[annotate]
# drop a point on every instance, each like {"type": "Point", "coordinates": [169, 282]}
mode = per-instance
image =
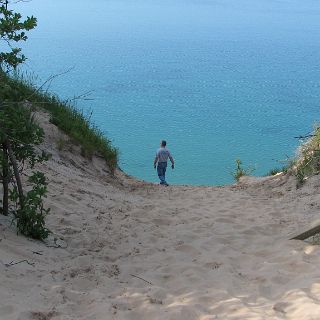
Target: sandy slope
{"type": "Point", "coordinates": [133, 250]}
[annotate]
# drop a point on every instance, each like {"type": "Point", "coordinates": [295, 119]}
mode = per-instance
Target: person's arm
{"type": "Point", "coordinates": [155, 161]}
{"type": "Point", "coordinates": [172, 161]}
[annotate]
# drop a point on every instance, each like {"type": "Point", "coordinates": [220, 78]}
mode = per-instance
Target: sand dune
{"type": "Point", "coordinates": [125, 249]}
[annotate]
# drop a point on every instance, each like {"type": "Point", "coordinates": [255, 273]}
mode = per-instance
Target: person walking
{"type": "Point", "coordinates": [161, 162]}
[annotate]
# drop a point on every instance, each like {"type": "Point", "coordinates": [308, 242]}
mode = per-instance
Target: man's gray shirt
{"type": "Point", "coordinates": [163, 154]}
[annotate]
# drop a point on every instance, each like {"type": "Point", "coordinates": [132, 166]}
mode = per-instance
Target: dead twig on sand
{"type": "Point", "coordinates": [12, 263]}
{"type": "Point", "coordinates": [37, 252]}
{"type": "Point", "coordinates": [132, 275]}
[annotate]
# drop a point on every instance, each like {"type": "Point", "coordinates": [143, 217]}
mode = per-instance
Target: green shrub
{"type": "Point", "coordinates": [30, 218]}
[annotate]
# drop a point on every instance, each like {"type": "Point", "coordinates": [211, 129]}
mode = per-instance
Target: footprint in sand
{"type": "Point", "coordinates": [37, 315]}
{"type": "Point", "coordinates": [224, 220]}
{"type": "Point", "coordinates": [281, 307]}
{"type": "Point", "coordinates": [188, 249]}
{"type": "Point", "coordinates": [155, 301]}
{"type": "Point", "coordinates": [280, 279]}
{"type": "Point", "coordinates": [250, 232]}
{"type": "Point", "coordinates": [148, 207]}
{"type": "Point", "coordinates": [213, 265]}
{"type": "Point", "coordinates": [161, 222]}
{"type": "Point", "coordinates": [6, 310]}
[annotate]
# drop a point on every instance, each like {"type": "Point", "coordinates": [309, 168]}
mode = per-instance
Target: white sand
{"type": "Point", "coordinates": [140, 251]}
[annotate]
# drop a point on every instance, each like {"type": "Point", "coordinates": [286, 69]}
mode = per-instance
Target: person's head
{"type": "Point", "coordinates": [163, 143]}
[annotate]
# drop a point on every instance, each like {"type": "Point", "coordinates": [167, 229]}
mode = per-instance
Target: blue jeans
{"type": "Point", "coordinates": [161, 168]}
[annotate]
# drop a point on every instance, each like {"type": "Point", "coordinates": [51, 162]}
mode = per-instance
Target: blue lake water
{"type": "Point", "coordinates": [219, 80]}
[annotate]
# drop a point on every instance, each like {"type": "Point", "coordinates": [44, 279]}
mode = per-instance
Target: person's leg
{"type": "Point", "coordinates": [161, 173]}
{"type": "Point", "coordinates": [164, 173]}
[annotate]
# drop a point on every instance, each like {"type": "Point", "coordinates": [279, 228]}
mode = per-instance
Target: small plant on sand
{"type": "Point", "coordinates": [30, 217]}
{"type": "Point", "coordinates": [273, 172]}
{"type": "Point", "coordinates": [240, 171]}
{"type": "Point", "coordinates": [61, 144]}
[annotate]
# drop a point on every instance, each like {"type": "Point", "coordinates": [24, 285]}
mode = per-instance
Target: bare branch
{"type": "Point", "coordinates": [15, 2]}
{"type": "Point", "coordinates": [49, 80]}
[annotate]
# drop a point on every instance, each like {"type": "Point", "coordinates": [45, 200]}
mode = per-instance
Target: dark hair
{"type": "Point", "coordinates": [163, 143]}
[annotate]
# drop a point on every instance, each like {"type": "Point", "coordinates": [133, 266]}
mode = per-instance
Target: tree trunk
{"type": "Point", "coordinates": [16, 173]}
{"type": "Point", "coordinates": [5, 181]}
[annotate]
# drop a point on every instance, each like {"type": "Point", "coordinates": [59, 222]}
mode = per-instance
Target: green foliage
{"type": "Point", "coordinates": [20, 134]}
{"type": "Point", "coordinates": [240, 171]}
{"type": "Point", "coordinates": [12, 30]}
{"type": "Point", "coordinates": [308, 161]}
{"type": "Point", "coordinates": [17, 123]}
{"type": "Point", "coordinates": [31, 216]}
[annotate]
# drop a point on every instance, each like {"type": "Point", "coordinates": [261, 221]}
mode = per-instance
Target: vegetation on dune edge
{"type": "Point", "coordinates": [307, 163]}
{"type": "Point", "coordinates": [304, 165]}
{"type": "Point", "coordinates": [65, 116]}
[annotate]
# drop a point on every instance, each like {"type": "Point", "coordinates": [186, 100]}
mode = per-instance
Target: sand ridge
{"type": "Point", "coordinates": [125, 249]}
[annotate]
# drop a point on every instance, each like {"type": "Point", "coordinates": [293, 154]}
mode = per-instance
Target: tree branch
{"type": "Point", "coordinates": [307, 234]}
{"type": "Point", "coordinates": [5, 180]}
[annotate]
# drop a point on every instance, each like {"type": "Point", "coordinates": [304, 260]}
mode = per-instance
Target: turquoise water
{"type": "Point", "coordinates": [219, 80]}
